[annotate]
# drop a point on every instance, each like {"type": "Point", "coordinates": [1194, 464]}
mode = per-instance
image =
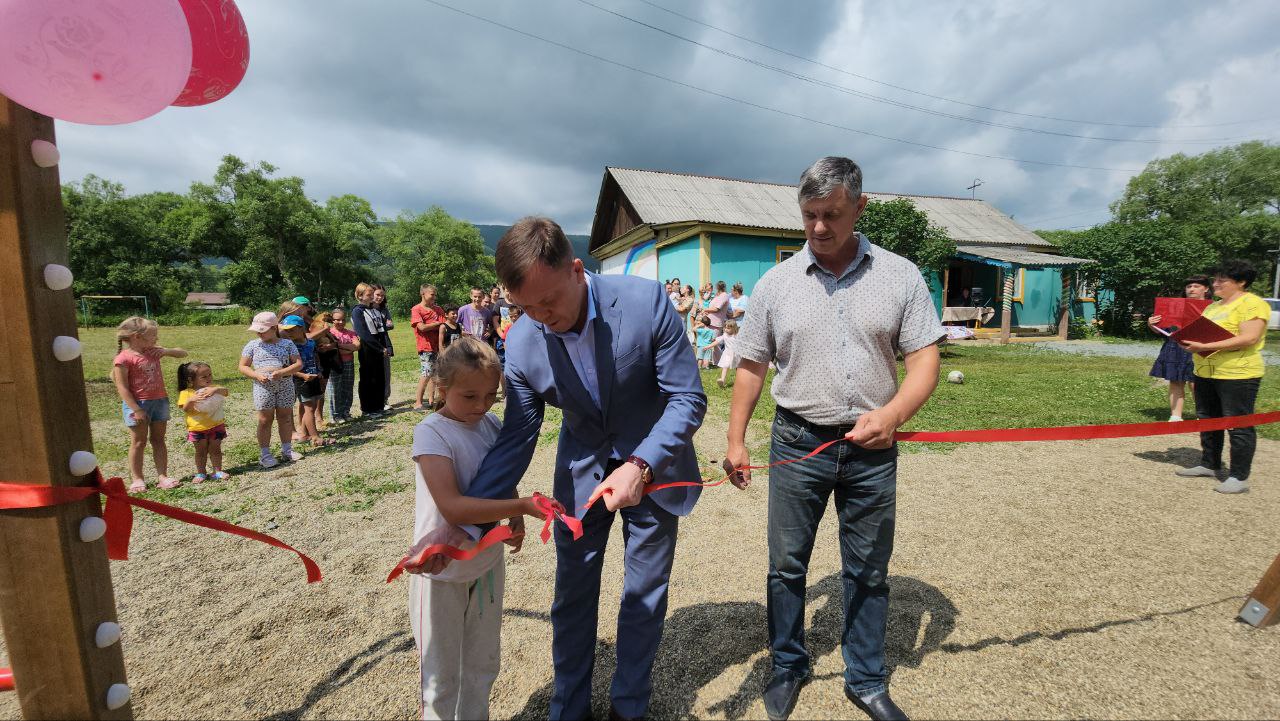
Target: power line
{"type": "Point", "coordinates": [938, 97]}
{"type": "Point", "coordinates": [898, 103]}
{"type": "Point", "coordinates": [769, 108]}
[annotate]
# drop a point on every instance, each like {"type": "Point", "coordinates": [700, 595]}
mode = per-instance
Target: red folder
{"type": "Point", "coordinates": [1179, 311]}
{"type": "Point", "coordinates": [1202, 330]}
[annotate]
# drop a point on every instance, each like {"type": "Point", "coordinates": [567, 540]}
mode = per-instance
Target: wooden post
{"type": "Point", "coordinates": [55, 590]}
{"type": "Point", "coordinates": [1006, 304]}
{"type": "Point", "coordinates": [1262, 607]}
{"type": "Point", "coordinates": [1064, 322]}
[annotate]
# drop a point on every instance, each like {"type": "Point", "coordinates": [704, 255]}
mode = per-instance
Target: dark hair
{"type": "Point", "coordinates": [1241, 271]}
{"type": "Point", "coordinates": [383, 305]}
{"type": "Point", "coordinates": [187, 373]}
{"type": "Point", "coordinates": [451, 308]}
{"type": "Point", "coordinates": [720, 285]}
{"type": "Point", "coordinates": [531, 240]}
{"type": "Point", "coordinates": [1204, 280]}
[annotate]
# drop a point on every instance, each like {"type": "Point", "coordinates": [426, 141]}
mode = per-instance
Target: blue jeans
{"type": "Point", "coordinates": [865, 486]}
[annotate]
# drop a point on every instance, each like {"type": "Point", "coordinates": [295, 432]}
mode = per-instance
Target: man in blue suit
{"type": "Point", "coordinates": [611, 353]}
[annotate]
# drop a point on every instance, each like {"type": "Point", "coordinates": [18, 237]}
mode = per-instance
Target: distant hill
{"type": "Point", "coordinates": [491, 234]}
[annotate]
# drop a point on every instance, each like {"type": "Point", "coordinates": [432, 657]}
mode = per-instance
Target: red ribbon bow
{"type": "Point", "coordinates": [497, 534]}
{"type": "Point", "coordinates": [118, 513]}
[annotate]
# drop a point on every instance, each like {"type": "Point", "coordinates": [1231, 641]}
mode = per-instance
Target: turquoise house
{"type": "Point", "coordinates": [701, 229]}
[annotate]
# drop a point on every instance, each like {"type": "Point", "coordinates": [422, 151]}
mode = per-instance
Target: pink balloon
{"type": "Point", "coordinates": [219, 50]}
{"type": "Point", "coordinates": [100, 62]}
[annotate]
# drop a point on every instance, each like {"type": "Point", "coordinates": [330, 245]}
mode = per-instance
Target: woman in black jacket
{"type": "Point", "coordinates": [367, 322]}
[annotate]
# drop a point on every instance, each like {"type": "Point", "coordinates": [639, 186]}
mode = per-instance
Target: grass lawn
{"type": "Point", "coordinates": [1005, 386]}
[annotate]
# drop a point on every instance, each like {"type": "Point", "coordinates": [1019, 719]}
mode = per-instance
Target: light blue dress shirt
{"type": "Point", "coordinates": [582, 348]}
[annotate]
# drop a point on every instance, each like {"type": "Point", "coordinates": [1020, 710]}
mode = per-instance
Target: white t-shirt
{"type": "Point", "coordinates": [466, 445]}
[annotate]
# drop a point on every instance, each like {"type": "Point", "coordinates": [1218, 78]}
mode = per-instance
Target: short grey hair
{"type": "Point", "coordinates": [824, 176]}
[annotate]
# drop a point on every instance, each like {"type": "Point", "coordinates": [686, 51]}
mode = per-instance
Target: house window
{"type": "Point", "coordinates": [786, 251]}
{"type": "Point", "coordinates": [1019, 284]}
{"type": "Point", "coordinates": [1086, 292]}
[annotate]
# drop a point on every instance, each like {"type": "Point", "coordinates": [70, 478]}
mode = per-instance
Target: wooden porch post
{"type": "Point", "coordinates": [1064, 322]}
{"type": "Point", "coordinates": [55, 589]}
{"type": "Point", "coordinates": [1006, 303]}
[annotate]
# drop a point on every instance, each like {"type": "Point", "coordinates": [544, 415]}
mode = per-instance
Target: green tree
{"type": "Point", "coordinates": [120, 245]}
{"type": "Point", "coordinates": [433, 247]}
{"type": "Point", "coordinates": [899, 226]}
{"type": "Point", "coordinates": [1137, 261]}
{"type": "Point", "coordinates": [280, 241]}
{"type": "Point", "coordinates": [1228, 196]}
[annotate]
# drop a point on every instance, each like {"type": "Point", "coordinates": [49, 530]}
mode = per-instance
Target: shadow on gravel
{"type": "Point", "coordinates": [349, 671]}
{"type": "Point", "coordinates": [701, 642]}
{"type": "Point", "coordinates": [1174, 456]}
{"type": "Point", "coordinates": [1063, 633]}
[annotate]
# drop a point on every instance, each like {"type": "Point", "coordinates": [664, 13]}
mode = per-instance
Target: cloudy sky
{"type": "Point", "coordinates": [410, 104]}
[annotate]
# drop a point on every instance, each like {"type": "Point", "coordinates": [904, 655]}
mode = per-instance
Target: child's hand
{"type": "Point", "coordinates": [516, 524]}
{"type": "Point", "coordinates": [531, 507]}
{"type": "Point", "coordinates": [308, 376]}
{"type": "Point", "coordinates": [205, 392]}
{"type": "Point", "coordinates": [138, 415]}
{"type": "Point", "coordinates": [262, 377]}
{"type": "Point", "coordinates": [1154, 321]}
{"type": "Point", "coordinates": [435, 563]}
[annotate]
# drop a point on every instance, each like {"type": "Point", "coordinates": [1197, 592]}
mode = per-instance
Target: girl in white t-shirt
{"type": "Point", "coordinates": [456, 609]}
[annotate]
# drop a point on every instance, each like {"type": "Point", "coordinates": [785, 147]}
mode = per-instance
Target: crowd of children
{"type": "Point", "coordinates": [298, 354]}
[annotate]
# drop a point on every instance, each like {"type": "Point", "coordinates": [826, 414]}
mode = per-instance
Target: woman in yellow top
{"type": "Point", "coordinates": [1227, 381]}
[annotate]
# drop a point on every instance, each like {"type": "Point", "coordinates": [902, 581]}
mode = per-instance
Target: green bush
{"type": "Point", "coordinates": [186, 316]}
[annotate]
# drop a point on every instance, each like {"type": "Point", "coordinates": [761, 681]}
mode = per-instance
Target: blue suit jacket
{"type": "Point", "coordinates": [650, 391]}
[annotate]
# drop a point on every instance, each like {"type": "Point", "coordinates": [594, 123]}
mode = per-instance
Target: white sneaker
{"type": "Point", "coordinates": [268, 462]}
{"type": "Point", "coordinates": [1175, 419]}
{"type": "Point", "coordinates": [292, 455]}
{"type": "Point", "coordinates": [1233, 485]}
{"type": "Point", "coordinates": [1196, 472]}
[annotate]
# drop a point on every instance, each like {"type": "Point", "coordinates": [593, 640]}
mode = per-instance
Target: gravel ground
{"type": "Point", "coordinates": [1120, 350]}
{"type": "Point", "coordinates": [1075, 579]}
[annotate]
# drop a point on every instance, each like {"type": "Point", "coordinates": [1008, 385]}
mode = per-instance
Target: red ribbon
{"type": "Point", "coordinates": [549, 512]}
{"type": "Point", "coordinates": [1008, 435]}
{"type": "Point", "coordinates": [1061, 433]}
{"type": "Point", "coordinates": [497, 534]}
{"type": "Point", "coordinates": [118, 514]}
{"type": "Point", "coordinates": [6, 679]}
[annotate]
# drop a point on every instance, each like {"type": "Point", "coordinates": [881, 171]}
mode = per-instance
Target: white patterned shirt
{"type": "Point", "coordinates": [835, 341]}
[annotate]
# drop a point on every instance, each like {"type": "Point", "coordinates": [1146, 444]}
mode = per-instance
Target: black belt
{"type": "Point", "coordinates": [816, 429]}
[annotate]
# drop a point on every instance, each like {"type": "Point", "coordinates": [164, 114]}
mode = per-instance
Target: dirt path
{"type": "Point", "coordinates": [1075, 579]}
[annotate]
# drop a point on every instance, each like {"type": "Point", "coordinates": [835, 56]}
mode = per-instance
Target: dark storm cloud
{"type": "Point", "coordinates": [411, 105]}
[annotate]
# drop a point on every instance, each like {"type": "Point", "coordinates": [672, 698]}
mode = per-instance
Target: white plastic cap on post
{"type": "Point", "coordinates": [118, 695]}
{"type": "Point", "coordinates": [108, 633]}
{"type": "Point", "coordinates": [44, 153]}
{"type": "Point", "coordinates": [92, 528]}
{"type": "Point", "coordinates": [82, 463]}
{"type": "Point", "coordinates": [58, 277]}
{"type": "Point", "coordinates": [66, 348]}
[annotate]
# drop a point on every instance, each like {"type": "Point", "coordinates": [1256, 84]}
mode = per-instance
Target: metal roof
{"type": "Point", "coordinates": [1007, 257]}
{"type": "Point", "coordinates": [661, 198]}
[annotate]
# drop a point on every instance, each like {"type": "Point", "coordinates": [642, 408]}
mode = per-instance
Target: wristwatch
{"type": "Point", "coordinates": [646, 473]}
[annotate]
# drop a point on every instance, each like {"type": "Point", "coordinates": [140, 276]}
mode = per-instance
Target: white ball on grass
{"type": "Point", "coordinates": [955, 377]}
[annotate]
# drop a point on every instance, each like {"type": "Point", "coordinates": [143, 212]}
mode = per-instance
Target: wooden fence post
{"type": "Point", "coordinates": [55, 589]}
{"type": "Point", "coordinates": [1262, 607]}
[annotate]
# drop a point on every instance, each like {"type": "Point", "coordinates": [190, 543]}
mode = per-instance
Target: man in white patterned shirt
{"type": "Point", "coordinates": [832, 383]}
